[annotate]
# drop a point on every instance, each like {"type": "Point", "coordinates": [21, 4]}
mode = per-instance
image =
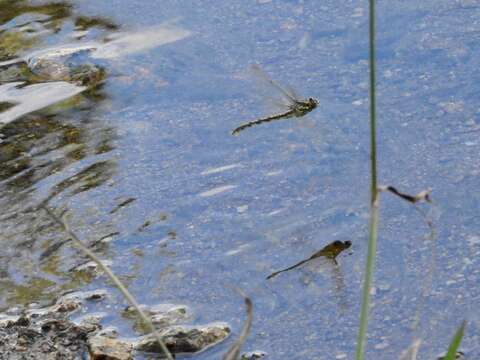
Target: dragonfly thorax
{"type": "Point", "coordinates": [301, 107]}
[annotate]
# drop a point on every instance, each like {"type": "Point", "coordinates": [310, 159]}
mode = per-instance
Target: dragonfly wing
{"type": "Point", "coordinates": [292, 92]}
{"type": "Point", "coordinates": [260, 74]}
{"type": "Point", "coordinates": [277, 104]}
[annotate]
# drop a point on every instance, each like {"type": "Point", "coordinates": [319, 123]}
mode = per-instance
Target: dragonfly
{"type": "Point", "coordinates": [295, 107]}
{"type": "Point", "coordinates": [330, 251]}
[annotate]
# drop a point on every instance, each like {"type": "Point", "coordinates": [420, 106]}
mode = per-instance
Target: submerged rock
{"type": "Point", "coordinates": [62, 63]}
{"type": "Point", "coordinates": [66, 304]}
{"type": "Point", "coordinates": [162, 315]}
{"type": "Point", "coordinates": [54, 70]}
{"type": "Point", "coordinates": [183, 339]}
{"type": "Point", "coordinates": [91, 268]}
{"type": "Point", "coordinates": [109, 331]}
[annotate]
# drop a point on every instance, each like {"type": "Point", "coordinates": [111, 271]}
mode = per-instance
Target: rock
{"type": "Point", "coordinates": [45, 338]}
{"type": "Point", "coordinates": [50, 69]}
{"type": "Point", "coordinates": [91, 268]}
{"type": "Point", "coordinates": [68, 303]}
{"type": "Point", "coordinates": [93, 295]}
{"type": "Point", "coordinates": [91, 321]}
{"type": "Point", "coordinates": [46, 333]}
{"type": "Point", "coordinates": [183, 339]}
{"type": "Point", "coordinates": [162, 315]}
{"type": "Point", "coordinates": [110, 332]}
{"type": "Point", "coordinates": [253, 355]}
{"type": "Point", "coordinates": [8, 320]}
{"type": "Point", "coordinates": [63, 305]}
{"type": "Point", "coordinates": [105, 348]}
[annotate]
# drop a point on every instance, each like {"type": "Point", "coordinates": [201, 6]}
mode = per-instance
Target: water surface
{"type": "Point", "coordinates": [209, 210]}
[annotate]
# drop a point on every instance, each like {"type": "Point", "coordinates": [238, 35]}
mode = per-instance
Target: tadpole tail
{"type": "Point", "coordinates": [287, 269]}
{"type": "Point", "coordinates": [242, 127]}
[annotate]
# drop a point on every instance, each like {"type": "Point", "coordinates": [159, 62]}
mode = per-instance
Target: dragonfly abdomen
{"type": "Point", "coordinates": [263, 120]}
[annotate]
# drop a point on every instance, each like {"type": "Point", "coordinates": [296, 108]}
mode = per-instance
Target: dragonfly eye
{"type": "Point", "coordinates": [313, 101]}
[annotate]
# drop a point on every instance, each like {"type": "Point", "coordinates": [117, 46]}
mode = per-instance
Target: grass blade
{"type": "Point", "coordinates": [374, 211]}
{"type": "Point", "coordinates": [367, 285]}
{"type": "Point", "coordinates": [455, 344]}
{"type": "Point", "coordinates": [234, 351]}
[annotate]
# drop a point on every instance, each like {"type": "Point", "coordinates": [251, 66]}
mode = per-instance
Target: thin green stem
{"type": "Point", "coordinates": [373, 105]}
{"type": "Point", "coordinates": [455, 344]}
{"type": "Point", "coordinates": [374, 210]}
{"type": "Point", "coordinates": [367, 285]}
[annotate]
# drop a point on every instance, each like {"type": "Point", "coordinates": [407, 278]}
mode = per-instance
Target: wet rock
{"type": "Point", "coordinates": [166, 314]}
{"type": "Point", "coordinates": [50, 69]}
{"type": "Point", "coordinates": [93, 295]}
{"type": "Point", "coordinates": [47, 333]}
{"type": "Point", "coordinates": [110, 332]}
{"type": "Point", "coordinates": [87, 75]}
{"type": "Point", "coordinates": [92, 321]}
{"type": "Point", "coordinates": [63, 306]}
{"type": "Point", "coordinates": [8, 320]}
{"type": "Point", "coordinates": [162, 315]}
{"type": "Point", "coordinates": [91, 268]}
{"type": "Point", "coordinates": [105, 348]}
{"type": "Point", "coordinates": [67, 304]}
{"type": "Point", "coordinates": [182, 339]}
{"type": "Point", "coordinates": [253, 355]}
{"type": "Point", "coordinates": [62, 63]}
{"type": "Point", "coordinates": [53, 338]}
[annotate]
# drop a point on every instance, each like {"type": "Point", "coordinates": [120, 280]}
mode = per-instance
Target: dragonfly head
{"type": "Point", "coordinates": [313, 102]}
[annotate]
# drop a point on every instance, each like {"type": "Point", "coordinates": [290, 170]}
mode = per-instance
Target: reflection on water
{"type": "Point", "coordinates": [39, 140]}
{"type": "Point", "coordinates": [54, 141]}
{"type": "Point", "coordinates": [32, 149]}
{"type": "Point", "coordinates": [33, 97]}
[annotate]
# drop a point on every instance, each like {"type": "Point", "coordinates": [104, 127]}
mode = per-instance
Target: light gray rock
{"type": "Point", "coordinates": [162, 315]}
{"type": "Point", "coordinates": [105, 348]}
{"type": "Point", "coordinates": [183, 339]}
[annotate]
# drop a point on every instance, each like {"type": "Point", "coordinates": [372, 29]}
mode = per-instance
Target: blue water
{"type": "Point", "coordinates": [230, 210]}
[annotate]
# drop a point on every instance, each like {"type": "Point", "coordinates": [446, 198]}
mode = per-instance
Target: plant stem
{"type": "Point", "coordinates": [367, 285]}
{"type": "Point", "coordinates": [374, 204]}
{"type": "Point", "coordinates": [373, 105]}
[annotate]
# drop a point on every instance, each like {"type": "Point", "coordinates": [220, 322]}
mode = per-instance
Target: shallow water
{"type": "Point", "coordinates": [206, 210]}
